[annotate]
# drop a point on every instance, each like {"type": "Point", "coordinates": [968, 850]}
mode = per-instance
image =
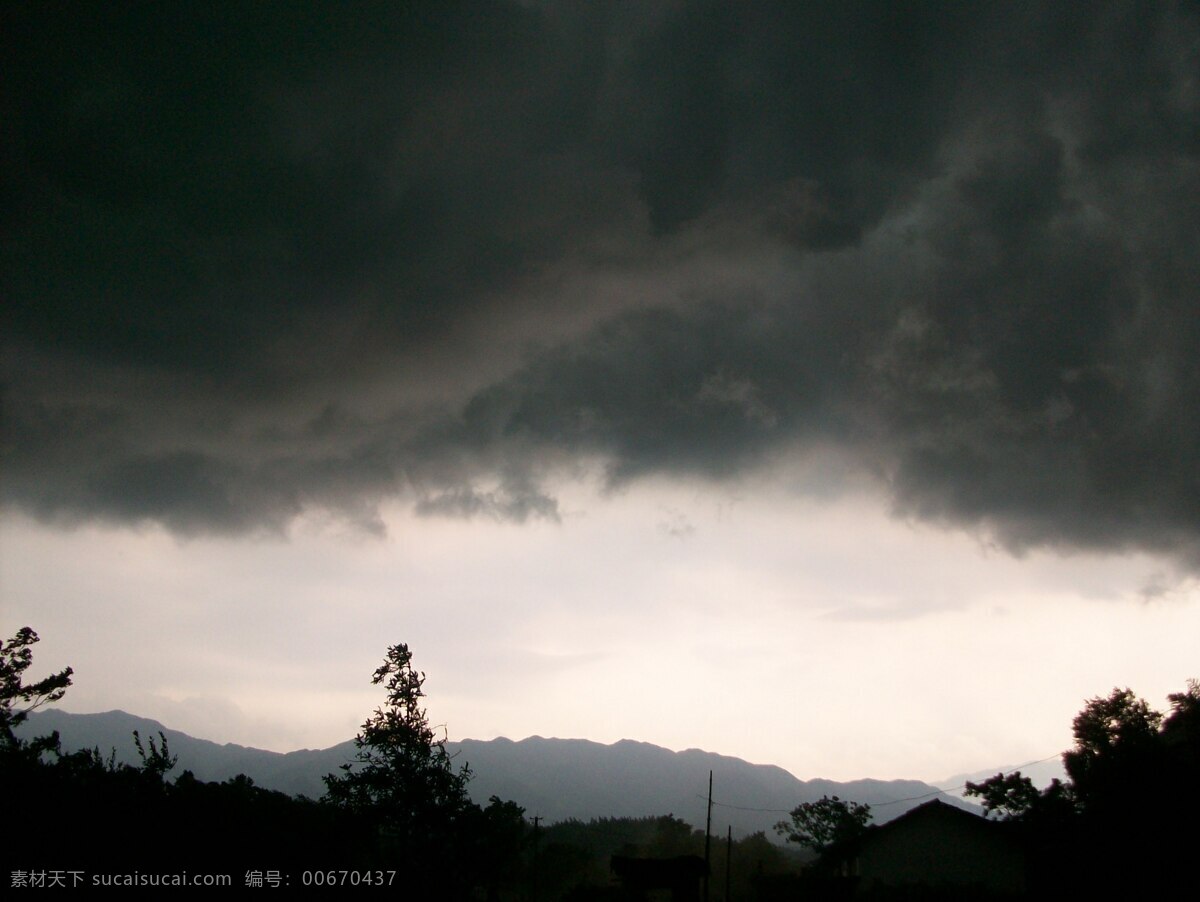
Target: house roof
{"type": "Point", "coordinates": [933, 810]}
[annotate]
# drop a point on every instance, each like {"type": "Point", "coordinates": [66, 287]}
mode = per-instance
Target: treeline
{"type": "Point", "coordinates": [1124, 824]}
{"type": "Point", "coordinates": [84, 812]}
{"type": "Point", "coordinates": [573, 857]}
{"type": "Point", "coordinates": [399, 814]}
{"type": "Point", "coordinates": [1127, 820]}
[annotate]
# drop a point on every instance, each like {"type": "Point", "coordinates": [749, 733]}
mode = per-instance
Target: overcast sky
{"type": "Point", "coordinates": [813, 383]}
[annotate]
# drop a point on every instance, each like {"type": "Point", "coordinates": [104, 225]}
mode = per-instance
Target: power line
{"type": "Point", "coordinates": [1005, 773]}
{"type": "Point", "coordinates": [743, 808]}
{"type": "Point", "coordinates": [936, 792]}
{"type": "Point", "coordinates": [625, 832]}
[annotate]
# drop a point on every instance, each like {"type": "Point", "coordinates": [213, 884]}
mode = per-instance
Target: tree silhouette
{"type": "Point", "coordinates": [1013, 795]}
{"type": "Point", "coordinates": [1181, 729]}
{"type": "Point", "coordinates": [1116, 739]}
{"type": "Point", "coordinates": [403, 781]}
{"type": "Point", "coordinates": [821, 824]}
{"type": "Point", "coordinates": [16, 655]}
{"type": "Point", "coordinates": [157, 762]}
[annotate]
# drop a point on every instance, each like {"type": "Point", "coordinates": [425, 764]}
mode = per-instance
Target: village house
{"type": "Point", "coordinates": [936, 845]}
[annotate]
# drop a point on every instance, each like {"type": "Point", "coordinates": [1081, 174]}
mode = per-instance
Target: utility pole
{"type": "Point", "coordinates": [728, 859]}
{"type": "Point", "coordinates": [708, 839]}
{"type": "Point", "coordinates": [534, 875]}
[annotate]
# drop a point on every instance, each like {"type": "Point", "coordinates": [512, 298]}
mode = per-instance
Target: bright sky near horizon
{"type": "Point", "coordinates": [811, 384]}
{"type": "Point", "coordinates": [820, 636]}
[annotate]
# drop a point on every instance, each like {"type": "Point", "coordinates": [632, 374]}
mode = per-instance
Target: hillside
{"type": "Point", "coordinates": [554, 778]}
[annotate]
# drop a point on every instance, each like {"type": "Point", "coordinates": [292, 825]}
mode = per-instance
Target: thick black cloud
{"type": "Point", "coordinates": [262, 261]}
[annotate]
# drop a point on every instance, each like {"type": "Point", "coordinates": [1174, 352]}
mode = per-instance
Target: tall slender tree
{"type": "Point", "coordinates": [403, 781]}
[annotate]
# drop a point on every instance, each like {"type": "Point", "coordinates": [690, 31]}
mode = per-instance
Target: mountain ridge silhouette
{"type": "Point", "coordinates": [557, 779]}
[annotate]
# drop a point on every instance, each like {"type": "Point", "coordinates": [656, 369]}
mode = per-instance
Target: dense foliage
{"type": "Point", "coordinates": [1130, 800]}
{"type": "Point", "coordinates": [819, 825]}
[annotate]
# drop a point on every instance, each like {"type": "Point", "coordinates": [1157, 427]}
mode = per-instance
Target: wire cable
{"type": "Point", "coordinates": [937, 791]}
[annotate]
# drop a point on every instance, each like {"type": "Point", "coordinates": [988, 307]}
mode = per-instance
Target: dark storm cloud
{"type": "Point", "coordinates": [268, 260]}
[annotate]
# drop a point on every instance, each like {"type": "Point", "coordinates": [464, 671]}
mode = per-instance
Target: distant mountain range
{"type": "Point", "coordinates": [557, 779]}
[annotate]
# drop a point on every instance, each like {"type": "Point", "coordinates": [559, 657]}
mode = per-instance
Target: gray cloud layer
{"type": "Point", "coordinates": [257, 261]}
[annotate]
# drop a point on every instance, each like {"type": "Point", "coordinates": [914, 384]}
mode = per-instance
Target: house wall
{"type": "Point", "coordinates": [942, 851]}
